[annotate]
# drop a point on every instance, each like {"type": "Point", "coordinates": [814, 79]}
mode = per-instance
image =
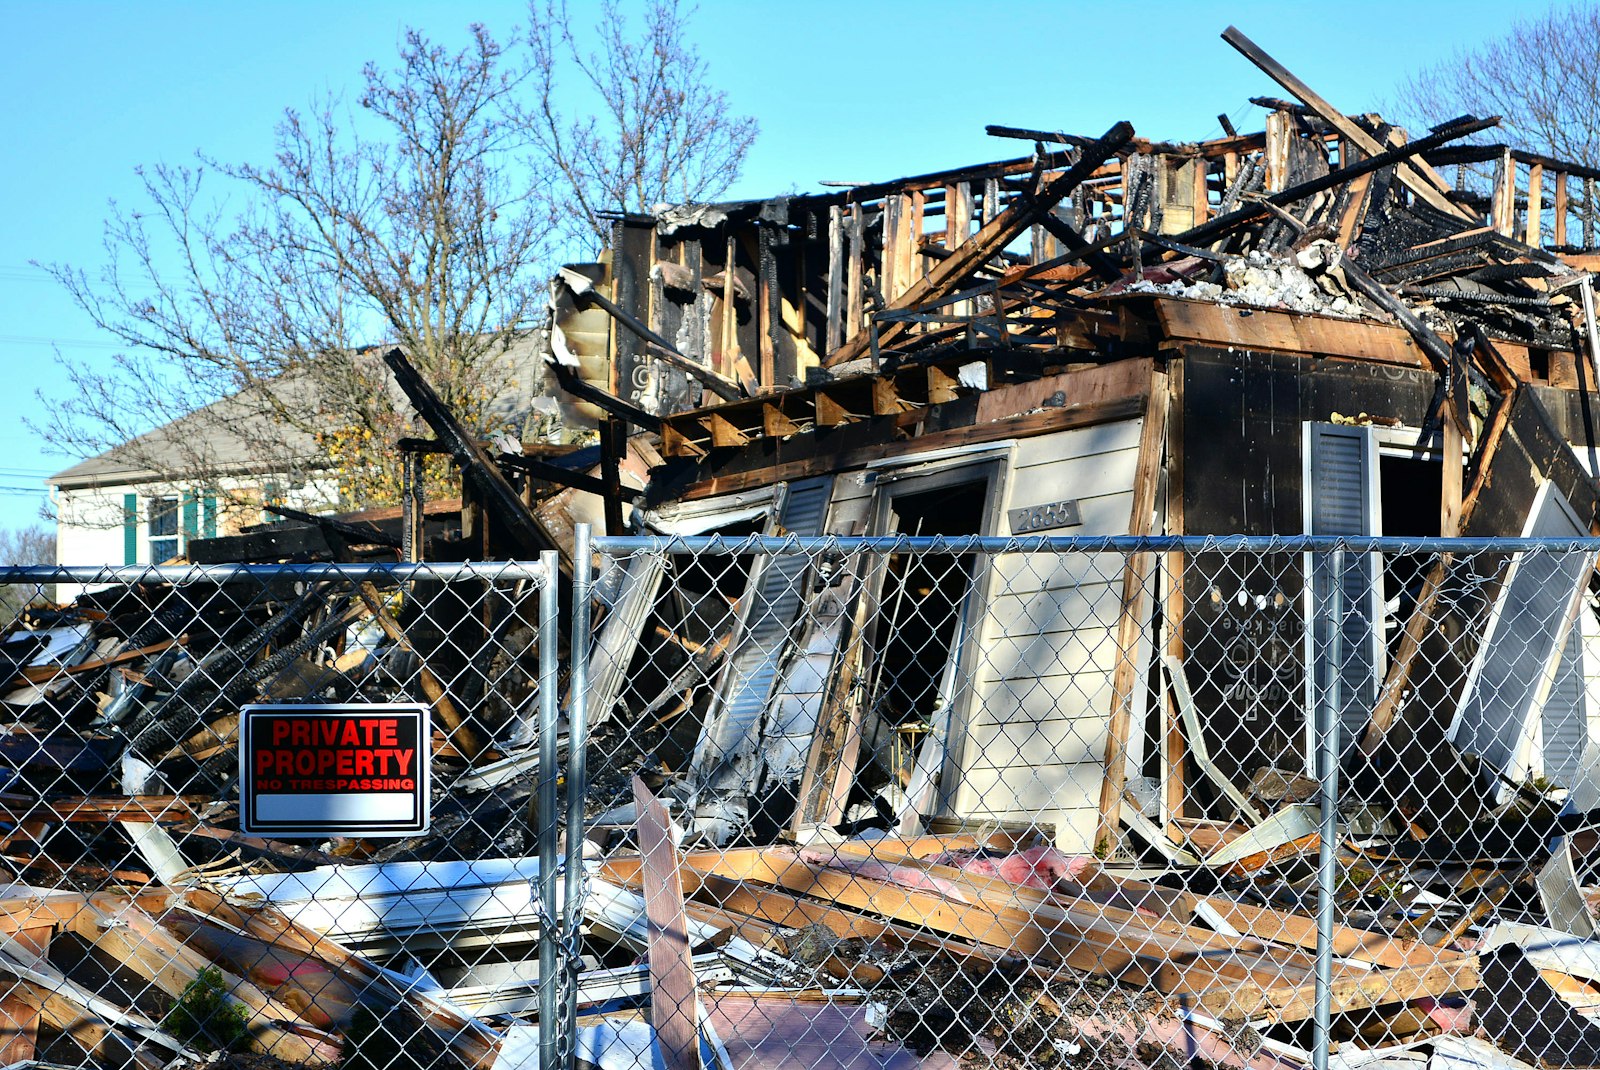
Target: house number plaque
{"type": "Point", "coordinates": [1031, 518]}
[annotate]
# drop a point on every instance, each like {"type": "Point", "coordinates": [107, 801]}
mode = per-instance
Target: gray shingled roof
{"type": "Point", "coordinates": [230, 433]}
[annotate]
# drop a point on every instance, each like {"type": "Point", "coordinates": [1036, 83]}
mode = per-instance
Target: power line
{"type": "Point", "coordinates": [65, 343]}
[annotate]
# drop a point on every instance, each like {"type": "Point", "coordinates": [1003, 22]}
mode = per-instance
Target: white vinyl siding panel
{"type": "Point", "coordinates": [1042, 687]}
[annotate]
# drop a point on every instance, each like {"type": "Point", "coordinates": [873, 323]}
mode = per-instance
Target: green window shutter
{"type": "Point", "coordinates": [191, 515]}
{"type": "Point", "coordinates": [208, 516]}
{"type": "Point", "coordinates": [130, 529]}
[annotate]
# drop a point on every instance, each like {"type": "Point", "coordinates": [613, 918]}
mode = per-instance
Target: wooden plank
{"type": "Point", "coordinates": [1416, 175]}
{"type": "Point", "coordinates": [723, 433]}
{"type": "Point", "coordinates": [1293, 1003]}
{"type": "Point", "coordinates": [911, 259]}
{"type": "Point", "coordinates": [19, 1026]}
{"type": "Point", "coordinates": [774, 424]}
{"type": "Point", "coordinates": [834, 332]}
{"type": "Point", "coordinates": [889, 260]}
{"type": "Point", "coordinates": [886, 400]}
{"type": "Point", "coordinates": [1533, 227]}
{"type": "Point", "coordinates": [1176, 748]}
{"type": "Point", "coordinates": [1559, 236]}
{"type": "Point", "coordinates": [1023, 426]}
{"type": "Point", "coordinates": [1280, 131]}
{"type": "Point", "coordinates": [19, 1016]}
{"type": "Point", "coordinates": [856, 233]}
{"type": "Point", "coordinates": [1264, 329]}
{"type": "Point", "coordinates": [674, 443]}
{"type": "Point", "coordinates": [1450, 480]}
{"type": "Point", "coordinates": [1379, 949]}
{"type": "Point", "coordinates": [674, 1010]}
{"type": "Point", "coordinates": [1503, 206]}
{"type": "Point", "coordinates": [1119, 379]}
{"type": "Point", "coordinates": [1131, 622]}
{"type": "Point", "coordinates": [830, 412]}
{"type": "Point", "coordinates": [1136, 953]}
{"type": "Point", "coordinates": [728, 351]}
{"type": "Point", "coordinates": [768, 314]}
{"type": "Point", "coordinates": [39, 674]}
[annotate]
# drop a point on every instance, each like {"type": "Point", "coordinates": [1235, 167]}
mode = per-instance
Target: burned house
{"type": "Point", "coordinates": [1301, 331]}
{"type": "Point", "coordinates": [869, 760]}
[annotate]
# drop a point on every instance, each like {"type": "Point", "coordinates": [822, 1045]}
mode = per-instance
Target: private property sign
{"type": "Point", "coordinates": [340, 770]}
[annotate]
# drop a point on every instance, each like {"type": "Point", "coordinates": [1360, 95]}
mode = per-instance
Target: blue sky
{"type": "Point", "coordinates": [849, 91]}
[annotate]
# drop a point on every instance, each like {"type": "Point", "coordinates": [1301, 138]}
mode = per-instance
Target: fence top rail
{"type": "Point", "coordinates": [794, 544]}
{"type": "Point", "coordinates": [535, 571]}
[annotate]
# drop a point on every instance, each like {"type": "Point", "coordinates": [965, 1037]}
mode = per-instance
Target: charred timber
{"type": "Point", "coordinates": [524, 528]}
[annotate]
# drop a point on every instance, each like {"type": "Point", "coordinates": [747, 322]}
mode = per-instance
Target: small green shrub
{"type": "Point", "coordinates": [205, 1018]}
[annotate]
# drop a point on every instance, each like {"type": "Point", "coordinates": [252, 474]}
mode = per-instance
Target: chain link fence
{"type": "Point", "coordinates": [1057, 802]}
{"type": "Point", "coordinates": [749, 802]}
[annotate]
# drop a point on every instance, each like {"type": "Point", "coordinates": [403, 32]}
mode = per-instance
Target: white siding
{"type": "Point", "coordinates": [1041, 693]}
{"type": "Point", "coordinates": [90, 521]}
{"type": "Point", "coordinates": [89, 526]}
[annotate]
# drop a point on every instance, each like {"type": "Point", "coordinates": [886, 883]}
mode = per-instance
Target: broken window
{"type": "Point", "coordinates": [924, 612]}
{"type": "Point", "coordinates": [1366, 481]}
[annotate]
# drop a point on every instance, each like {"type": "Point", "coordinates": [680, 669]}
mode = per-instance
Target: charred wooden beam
{"type": "Point", "coordinates": [1213, 229]}
{"type": "Point", "coordinates": [357, 533]}
{"type": "Point", "coordinates": [1418, 178]}
{"type": "Point", "coordinates": [1100, 263]}
{"type": "Point", "coordinates": [573, 384]}
{"type": "Point", "coordinates": [548, 472]}
{"type": "Point", "coordinates": [526, 529]}
{"type": "Point", "coordinates": [1023, 211]}
{"type": "Point", "coordinates": [1434, 347]}
{"type": "Point", "coordinates": [613, 448]}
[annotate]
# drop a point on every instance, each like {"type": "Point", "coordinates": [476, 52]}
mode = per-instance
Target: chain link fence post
{"type": "Point", "coordinates": [1327, 734]}
{"type": "Point", "coordinates": [577, 783]}
{"type": "Point", "coordinates": [549, 823]}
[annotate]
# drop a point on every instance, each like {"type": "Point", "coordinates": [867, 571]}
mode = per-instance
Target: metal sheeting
{"type": "Point", "coordinates": [1518, 661]}
{"type": "Point", "coordinates": [724, 757]}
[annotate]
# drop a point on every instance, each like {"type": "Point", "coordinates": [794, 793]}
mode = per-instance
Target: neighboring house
{"type": "Point", "coordinates": [208, 473]}
{"type": "Point", "coordinates": [202, 475]}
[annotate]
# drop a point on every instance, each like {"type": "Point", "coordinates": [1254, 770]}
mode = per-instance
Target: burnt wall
{"type": "Point", "coordinates": [1244, 625]}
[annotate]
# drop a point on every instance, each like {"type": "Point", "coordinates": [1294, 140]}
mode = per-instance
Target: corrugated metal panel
{"type": "Point", "coordinates": [619, 635]}
{"type": "Point", "coordinates": [724, 757]}
{"type": "Point", "coordinates": [1342, 498]}
{"type": "Point", "coordinates": [1564, 721]}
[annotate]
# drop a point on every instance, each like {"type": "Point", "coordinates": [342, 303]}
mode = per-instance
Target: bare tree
{"type": "Point", "coordinates": [416, 220]}
{"type": "Point", "coordinates": [32, 545]}
{"type": "Point", "coordinates": [253, 296]}
{"type": "Point", "coordinates": [658, 131]}
{"type": "Point", "coordinates": [1542, 76]}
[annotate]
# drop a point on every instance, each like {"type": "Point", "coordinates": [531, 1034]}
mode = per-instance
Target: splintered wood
{"type": "Point", "coordinates": [886, 892]}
